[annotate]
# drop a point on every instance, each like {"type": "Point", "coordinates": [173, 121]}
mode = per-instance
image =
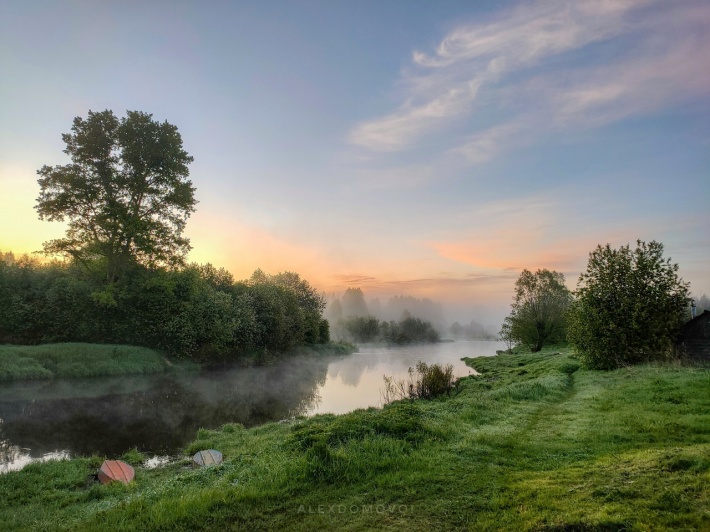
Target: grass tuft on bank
{"type": "Point", "coordinates": [535, 442]}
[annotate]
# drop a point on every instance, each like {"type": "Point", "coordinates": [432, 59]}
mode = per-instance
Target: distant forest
{"type": "Point", "coordinates": [401, 319]}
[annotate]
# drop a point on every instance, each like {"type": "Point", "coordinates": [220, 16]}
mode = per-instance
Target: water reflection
{"type": "Point", "coordinates": [356, 381]}
{"type": "Point", "coordinates": [157, 461]}
{"type": "Point", "coordinates": [14, 457]}
{"type": "Point", "coordinates": [161, 414]}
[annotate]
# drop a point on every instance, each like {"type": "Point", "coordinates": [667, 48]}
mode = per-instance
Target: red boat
{"type": "Point", "coordinates": [116, 470]}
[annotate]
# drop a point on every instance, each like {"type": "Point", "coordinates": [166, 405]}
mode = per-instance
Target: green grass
{"type": "Point", "coordinates": [47, 361]}
{"type": "Point", "coordinates": [534, 443]}
{"type": "Point", "coordinates": [78, 360]}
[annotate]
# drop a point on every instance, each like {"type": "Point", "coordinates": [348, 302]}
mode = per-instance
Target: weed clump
{"type": "Point", "coordinates": [424, 382]}
{"type": "Point", "coordinates": [133, 457]}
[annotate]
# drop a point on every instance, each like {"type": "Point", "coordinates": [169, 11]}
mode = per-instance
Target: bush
{"type": "Point", "coordinates": [631, 305]}
{"type": "Point", "coordinates": [195, 311]}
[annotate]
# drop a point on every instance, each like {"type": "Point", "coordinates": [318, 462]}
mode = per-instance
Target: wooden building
{"type": "Point", "coordinates": [696, 337]}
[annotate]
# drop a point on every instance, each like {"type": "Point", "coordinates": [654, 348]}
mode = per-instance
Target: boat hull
{"type": "Point", "coordinates": [208, 457]}
{"type": "Point", "coordinates": [116, 471]}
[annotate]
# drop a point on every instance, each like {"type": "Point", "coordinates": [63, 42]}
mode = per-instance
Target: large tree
{"type": "Point", "coordinates": [353, 302]}
{"type": "Point", "coordinates": [538, 313]}
{"type": "Point", "coordinates": [631, 304]}
{"type": "Point", "coordinates": [125, 196]}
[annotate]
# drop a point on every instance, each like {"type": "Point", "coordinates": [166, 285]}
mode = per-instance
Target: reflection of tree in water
{"type": "Point", "coordinates": [162, 417]}
{"type": "Point", "coordinates": [350, 370]}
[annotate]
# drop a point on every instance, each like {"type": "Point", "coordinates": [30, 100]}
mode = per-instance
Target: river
{"type": "Point", "coordinates": [160, 414]}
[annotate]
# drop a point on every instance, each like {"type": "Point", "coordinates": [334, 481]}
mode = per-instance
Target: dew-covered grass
{"type": "Point", "coordinates": [533, 443]}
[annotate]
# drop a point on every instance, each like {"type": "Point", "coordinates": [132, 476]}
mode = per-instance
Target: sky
{"type": "Point", "coordinates": [432, 149]}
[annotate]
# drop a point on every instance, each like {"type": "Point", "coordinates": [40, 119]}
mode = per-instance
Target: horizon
{"type": "Point", "coordinates": [430, 151]}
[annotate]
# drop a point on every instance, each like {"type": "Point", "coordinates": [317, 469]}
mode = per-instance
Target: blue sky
{"type": "Point", "coordinates": [424, 148]}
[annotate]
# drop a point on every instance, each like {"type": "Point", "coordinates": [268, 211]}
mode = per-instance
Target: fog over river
{"type": "Point", "coordinates": [160, 414]}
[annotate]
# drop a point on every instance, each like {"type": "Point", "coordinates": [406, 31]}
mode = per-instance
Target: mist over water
{"type": "Point", "coordinates": [161, 414]}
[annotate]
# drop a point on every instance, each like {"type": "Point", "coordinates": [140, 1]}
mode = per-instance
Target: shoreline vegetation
{"type": "Point", "coordinates": [369, 329]}
{"type": "Point", "coordinates": [85, 360]}
{"type": "Point", "coordinates": [534, 442]}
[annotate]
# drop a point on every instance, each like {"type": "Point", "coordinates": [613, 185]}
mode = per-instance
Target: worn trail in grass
{"type": "Point", "coordinates": [534, 442]}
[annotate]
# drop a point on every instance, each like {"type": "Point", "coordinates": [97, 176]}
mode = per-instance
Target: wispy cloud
{"type": "Point", "coordinates": [530, 33]}
{"type": "Point", "coordinates": [451, 286]}
{"type": "Point", "coordinates": [556, 230]}
{"type": "Point", "coordinates": [514, 234]}
{"type": "Point", "coordinates": [545, 67]}
{"type": "Point", "coordinates": [354, 279]}
{"type": "Point", "coordinates": [488, 143]}
{"type": "Point", "coordinates": [396, 130]}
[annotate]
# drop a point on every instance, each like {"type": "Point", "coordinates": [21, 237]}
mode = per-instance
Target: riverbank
{"type": "Point", "coordinates": [47, 361]}
{"type": "Point", "coordinates": [534, 442]}
{"type": "Point", "coordinates": [77, 360]}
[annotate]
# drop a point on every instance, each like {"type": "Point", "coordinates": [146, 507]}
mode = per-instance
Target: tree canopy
{"type": "Point", "coordinates": [197, 311]}
{"type": "Point", "coordinates": [538, 313]}
{"type": "Point", "coordinates": [631, 304]}
{"type": "Point", "coordinates": [126, 199]}
{"type": "Point", "coordinates": [125, 195]}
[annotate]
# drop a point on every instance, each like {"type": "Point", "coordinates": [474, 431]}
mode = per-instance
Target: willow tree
{"type": "Point", "coordinates": [125, 195]}
{"type": "Point", "coordinates": [538, 313]}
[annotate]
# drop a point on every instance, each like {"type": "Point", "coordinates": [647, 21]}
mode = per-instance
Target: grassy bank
{"type": "Point", "coordinates": [77, 360]}
{"type": "Point", "coordinates": [534, 442]}
{"type": "Point", "coordinates": [49, 361]}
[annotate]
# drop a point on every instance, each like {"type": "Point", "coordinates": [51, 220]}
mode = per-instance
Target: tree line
{"type": "Point", "coordinates": [369, 329]}
{"type": "Point", "coordinates": [352, 303]}
{"type": "Point", "coordinates": [629, 307]}
{"type": "Point", "coordinates": [126, 198]}
{"type": "Point", "coordinates": [472, 331]}
{"type": "Point", "coordinates": [196, 311]}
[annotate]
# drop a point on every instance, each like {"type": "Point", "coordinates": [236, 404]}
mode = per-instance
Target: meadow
{"type": "Point", "coordinates": [535, 442]}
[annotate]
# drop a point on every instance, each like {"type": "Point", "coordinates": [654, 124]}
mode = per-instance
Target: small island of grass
{"type": "Point", "coordinates": [81, 360]}
{"type": "Point", "coordinates": [74, 360]}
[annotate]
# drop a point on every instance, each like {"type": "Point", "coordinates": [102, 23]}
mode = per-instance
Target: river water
{"type": "Point", "coordinates": [160, 414]}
